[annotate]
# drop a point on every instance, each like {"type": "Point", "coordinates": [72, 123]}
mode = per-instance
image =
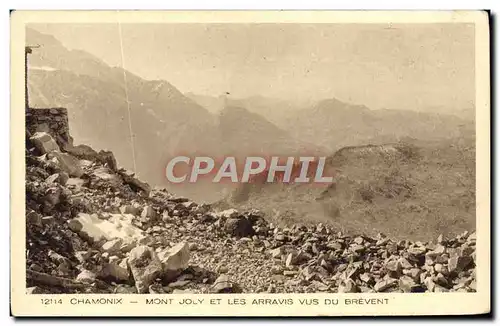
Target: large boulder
{"type": "Point", "coordinates": [145, 267]}
{"type": "Point", "coordinates": [105, 174]}
{"type": "Point", "coordinates": [44, 142]}
{"type": "Point", "coordinates": [239, 227]}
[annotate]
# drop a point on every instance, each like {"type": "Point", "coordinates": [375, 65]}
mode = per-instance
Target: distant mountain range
{"type": "Point", "coordinates": [332, 124]}
{"type": "Point", "coordinates": [166, 123]}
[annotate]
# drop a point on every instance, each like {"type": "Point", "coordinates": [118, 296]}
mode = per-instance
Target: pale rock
{"type": "Point", "coordinates": [175, 259]}
{"type": "Point", "coordinates": [44, 142]}
{"type": "Point", "coordinates": [382, 242]}
{"type": "Point", "coordinates": [228, 213]}
{"type": "Point", "coordinates": [405, 263]}
{"type": "Point", "coordinates": [365, 277]}
{"type": "Point", "coordinates": [440, 268]}
{"type": "Point", "coordinates": [223, 285]}
{"type": "Point", "coordinates": [239, 227]}
{"type": "Point", "coordinates": [112, 246]}
{"type": "Point", "coordinates": [417, 251]}
{"type": "Point", "coordinates": [440, 289]}
{"type": "Point", "coordinates": [276, 270]}
{"type": "Point", "coordinates": [52, 178]}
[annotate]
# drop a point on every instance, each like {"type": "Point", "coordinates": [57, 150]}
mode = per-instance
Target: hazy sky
{"type": "Point", "coordinates": [410, 66]}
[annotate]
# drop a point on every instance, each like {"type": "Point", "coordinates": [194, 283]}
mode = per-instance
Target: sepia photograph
{"type": "Point", "coordinates": [256, 157]}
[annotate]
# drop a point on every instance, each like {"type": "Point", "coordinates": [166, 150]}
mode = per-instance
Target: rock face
{"type": "Point", "coordinates": [94, 228]}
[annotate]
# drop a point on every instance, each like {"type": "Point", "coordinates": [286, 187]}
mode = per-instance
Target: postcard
{"type": "Point", "coordinates": [250, 163]}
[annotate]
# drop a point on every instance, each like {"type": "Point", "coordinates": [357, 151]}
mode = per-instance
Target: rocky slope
{"type": "Point", "coordinates": [93, 227]}
{"type": "Point", "coordinates": [407, 190]}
